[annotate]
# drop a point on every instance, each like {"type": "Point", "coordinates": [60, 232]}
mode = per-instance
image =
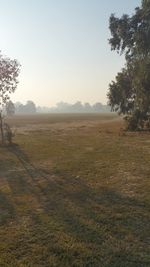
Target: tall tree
{"type": "Point", "coordinates": [129, 94]}
{"type": "Point", "coordinates": [9, 71]}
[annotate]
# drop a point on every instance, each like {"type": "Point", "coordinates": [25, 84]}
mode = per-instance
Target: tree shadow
{"type": "Point", "coordinates": [25, 161]}
{"type": "Point", "coordinates": [7, 210]}
{"type": "Point", "coordinates": [98, 219]}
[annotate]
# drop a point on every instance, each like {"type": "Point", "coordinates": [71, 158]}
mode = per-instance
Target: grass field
{"type": "Point", "coordinates": [74, 192]}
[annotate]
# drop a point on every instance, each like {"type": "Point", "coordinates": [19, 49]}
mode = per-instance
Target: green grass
{"type": "Point", "coordinates": [75, 196]}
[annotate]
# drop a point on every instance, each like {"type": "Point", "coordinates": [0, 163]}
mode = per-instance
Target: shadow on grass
{"type": "Point", "coordinates": [6, 208]}
{"type": "Point", "coordinates": [80, 225]}
{"type": "Point", "coordinates": [25, 161]}
{"type": "Point", "coordinates": [114, 233]}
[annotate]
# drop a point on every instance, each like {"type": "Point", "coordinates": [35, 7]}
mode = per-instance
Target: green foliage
{"type": "Point", "coordinates": [9, 71]}
{"type": "Point", "coordinates": [120, 94]}
{"type": "Point", "coordinates": [130, 93]}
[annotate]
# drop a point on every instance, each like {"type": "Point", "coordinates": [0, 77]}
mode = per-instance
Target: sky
{"type": "Point", "coordinates": [62, 46]}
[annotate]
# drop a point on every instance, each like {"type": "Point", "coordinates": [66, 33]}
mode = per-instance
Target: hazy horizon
{"type": "Point", "coordinates": [63, 48]}
{"type": "Point", "coordinates": [59, 102]}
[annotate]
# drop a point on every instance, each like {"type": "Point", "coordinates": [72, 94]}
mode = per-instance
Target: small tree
{"type": "Point", "coordinates": [9, 71]}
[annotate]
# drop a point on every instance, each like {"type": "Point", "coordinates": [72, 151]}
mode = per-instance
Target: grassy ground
{"type": "Point", "coordinates": [74, 191]}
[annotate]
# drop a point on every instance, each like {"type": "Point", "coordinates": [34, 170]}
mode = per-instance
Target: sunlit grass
{"type": "Point", "coordinates": [75, 196]}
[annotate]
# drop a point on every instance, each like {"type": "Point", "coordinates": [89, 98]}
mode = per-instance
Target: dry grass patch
{"type": "Point", "coordinates": [75, 196]}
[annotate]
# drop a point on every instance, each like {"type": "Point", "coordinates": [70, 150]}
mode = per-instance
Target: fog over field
{"type": "Point", "coordinates": [62, 47]}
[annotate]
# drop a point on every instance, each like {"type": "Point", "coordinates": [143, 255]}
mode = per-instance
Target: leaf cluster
{"type": "Point", "coordinates": [130, 93]}
{"type": "Point", "coordinates": [9, 71]}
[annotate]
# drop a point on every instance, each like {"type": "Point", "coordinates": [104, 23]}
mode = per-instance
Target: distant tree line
{"type": "Point", "coordinates": [18, 108]}
{"type": "Point", "coordinates": [61, 107]}
{"type": "Point", "coordinates": [78, 107]}
{"type": "Point", "coordinates": [28, 108]}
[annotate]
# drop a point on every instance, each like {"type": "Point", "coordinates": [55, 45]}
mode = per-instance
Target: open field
{"type": "Point", "coordinates": [74, 191]}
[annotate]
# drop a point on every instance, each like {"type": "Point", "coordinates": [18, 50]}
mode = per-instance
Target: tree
{"type": "Point", "coordinates": [10, 108]}
{"type": "Point", "coordinates": [87, 107]}
{"type": "Point", "coordinates": [62, 106]}
{"type": "Point", "coordinates": [129, 94]}
{"type": "Point", "coordinates": [98, 107]}
{"type": "Point", "coordinates": [9, 71]}
{"type": "Point", "coordinates": [30, 107]}
{"type": "Point", "coordinates": [77, 107]}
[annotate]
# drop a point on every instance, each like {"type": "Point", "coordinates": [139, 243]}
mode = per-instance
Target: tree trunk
{"type": "Point", "coordinates": [1, 128]}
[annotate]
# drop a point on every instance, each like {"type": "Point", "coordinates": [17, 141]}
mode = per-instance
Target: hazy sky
{"type": "Point", "coordinates": [62, 46]}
